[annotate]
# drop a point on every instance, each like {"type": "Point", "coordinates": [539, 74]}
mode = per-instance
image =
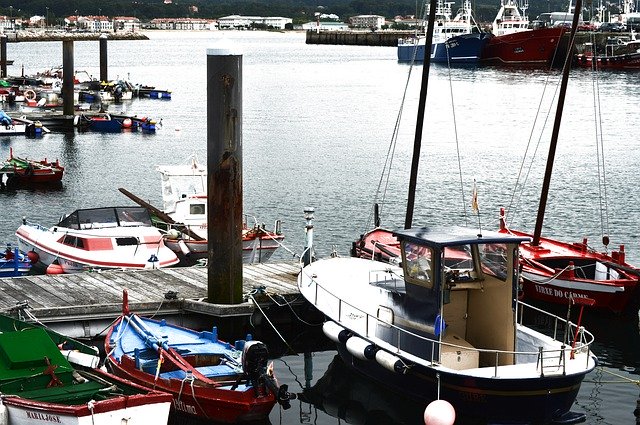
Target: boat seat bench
{"type": "Point", "coordinates": [213, 372]}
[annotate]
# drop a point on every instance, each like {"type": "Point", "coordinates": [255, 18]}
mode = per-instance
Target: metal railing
{"type": "Point", "coordinates": [365, 322]}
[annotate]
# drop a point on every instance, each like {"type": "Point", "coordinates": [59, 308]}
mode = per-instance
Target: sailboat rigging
{"type": "Point", "coordinates": [447, 325]}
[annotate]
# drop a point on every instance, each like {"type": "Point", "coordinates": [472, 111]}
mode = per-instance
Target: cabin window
{"type": "Point", "coordinates": [196, 209]}
{"type": "Point", "coordinates": [127, 241]}
{"type": "Point", "coordinates": [493, 258]}
{"type": "Point", "coordinates": [73, 241]}
{"type": "Point", "coordinates": [418, 267]}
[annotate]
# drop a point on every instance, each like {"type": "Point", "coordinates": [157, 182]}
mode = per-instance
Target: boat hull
{"type": "Point", "coordinates": [464, 48]}
{"type": "Point", "coordinates": [256, 250]}
{"type": "Point", "coordinates": [536, 46]}
{"type": "Point", "coordinates": [558, 272]}
{"type": "Point", "coordinates": [627, 61]}
{"type": "Point", "coordinates": [45, 243]}
{"type": "Point", "coordinates": [132, 410]}
{"type": "Point", "coordinates": [474, 398]}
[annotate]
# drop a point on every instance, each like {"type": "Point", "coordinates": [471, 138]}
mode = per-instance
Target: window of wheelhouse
{"type": "Point", "coordinates": [73, 241]}
{"type": "Point", "coordinates": [493, 259]}
{"type": "Point", "coordinates": [417, 262]}
{"type": "Point", "coordinates": [196, 209]}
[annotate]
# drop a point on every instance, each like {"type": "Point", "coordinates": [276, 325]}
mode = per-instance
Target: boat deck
{"type": "Point", "coordinates": [99, 294]}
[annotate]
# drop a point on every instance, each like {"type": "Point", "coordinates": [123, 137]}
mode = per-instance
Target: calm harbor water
{"type": "Point", "coordinates": [317, 124]}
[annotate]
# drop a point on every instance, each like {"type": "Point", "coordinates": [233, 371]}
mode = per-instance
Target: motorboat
{"type": "Point", "coordinates": [184, 195]}
{"type": "Point", "coordinates": [25, 171]}
{"type": "Point", "coordinates": [447, 325]}
{"type": "Point", "coordinates": [98, 239]}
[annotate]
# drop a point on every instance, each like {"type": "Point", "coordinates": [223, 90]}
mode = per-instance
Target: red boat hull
{"type": "Point", "coordinates": [208, 402]}
{"type": "Point", "coordinates": [628, 61]}
{"type": "Point", "coordinates": [536, 46]}
{"type": "Point", "coordinates": [557, 272]}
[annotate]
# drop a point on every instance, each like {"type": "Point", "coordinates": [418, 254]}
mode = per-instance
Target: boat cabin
{"type": "Point", "coordinates": [462, 286]}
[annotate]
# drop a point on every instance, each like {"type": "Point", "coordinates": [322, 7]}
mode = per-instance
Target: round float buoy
{"type": "Point", "coordinates": [30, 94]}
{"type": "Point", "coordinates": [439, 412]}
{"type": "Point", "coordinates": [54, 268]}
{"type": "Point", "coordinates": [33, 257]}
{"type": "Point", "coordinates": [126, 123]}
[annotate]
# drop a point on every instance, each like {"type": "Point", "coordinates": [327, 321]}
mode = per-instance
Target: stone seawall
{"type": "Point", "coordinates": [26, 36]}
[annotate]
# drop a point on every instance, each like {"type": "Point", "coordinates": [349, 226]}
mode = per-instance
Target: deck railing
{"type": "Point", "coordinates": [363, 323]}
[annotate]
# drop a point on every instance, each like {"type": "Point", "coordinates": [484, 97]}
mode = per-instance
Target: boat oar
{"type": "Point", "coordinates": [582, 301]}
{"type": "Point", "coordinates": [160, 214]}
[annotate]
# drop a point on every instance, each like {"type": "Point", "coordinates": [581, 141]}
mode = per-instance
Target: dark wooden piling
{"type": "Point", "coordinates": [3, 55]}
{"type": "Point", "coordinates": [103, 57]}
{"type": "Point", "coordinates": [224, 181]}
{"type": "Point", "coordinates": [67, 77]}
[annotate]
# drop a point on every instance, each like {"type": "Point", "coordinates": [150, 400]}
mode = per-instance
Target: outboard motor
{"type": "Point", "coordinates": [255, 356]}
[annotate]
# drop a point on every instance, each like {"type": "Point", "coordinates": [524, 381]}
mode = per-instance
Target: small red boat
{"type": "Point", "coordinates": [618, 54]}
{"type": "Point", "coordinates": [557, 272]}
{"type": "Point", "coordinates": [28, 171]}
{"type": "Point", "coordinates": [208, 378]}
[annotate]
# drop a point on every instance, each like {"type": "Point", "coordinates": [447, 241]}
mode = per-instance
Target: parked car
{"type": "Point", "coordinates": [612, 27]}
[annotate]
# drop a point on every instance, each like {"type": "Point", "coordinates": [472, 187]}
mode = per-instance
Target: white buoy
{"type": "Point", "coordinates": [439, 412]}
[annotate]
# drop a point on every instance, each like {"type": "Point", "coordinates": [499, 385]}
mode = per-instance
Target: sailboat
{"type": "Point", "coordinates": [447, 323]}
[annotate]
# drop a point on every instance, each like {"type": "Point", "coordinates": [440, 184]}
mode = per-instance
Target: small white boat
{"type": "Point", "coordinates": [184, 196]}
{"type": "Point", "coordinates": [98, 238]}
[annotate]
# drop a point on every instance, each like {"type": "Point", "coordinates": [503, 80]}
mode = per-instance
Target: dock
{"type": "Point", "coordinates": [81, 303]}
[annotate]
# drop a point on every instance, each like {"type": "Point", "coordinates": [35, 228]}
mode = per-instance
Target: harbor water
{"type": "Point", "coordinates": [318, 122]}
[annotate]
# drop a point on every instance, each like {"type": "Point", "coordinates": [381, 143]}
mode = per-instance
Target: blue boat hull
{"type": "Point", "coordinates": [464, 48]}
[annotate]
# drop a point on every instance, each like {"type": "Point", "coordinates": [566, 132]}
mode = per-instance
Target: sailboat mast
{"type": "Point", "coordinates": [417, 142]}
{"type": "Point", "coordinates": [556, 127]}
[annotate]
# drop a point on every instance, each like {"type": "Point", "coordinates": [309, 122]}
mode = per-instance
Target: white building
{"type": "Point", "coordinates": [245, 22]}
{"type": "Point", "coordinates": [95, 23]}
{"type": "Point", "coordinates": [126, 24]}
{"type": "Point", "coordinates": [183, 24]}
{"type": "Point", "coordinates": [367, 21]}
{"type": "Point", "coordinates": [325, 26]}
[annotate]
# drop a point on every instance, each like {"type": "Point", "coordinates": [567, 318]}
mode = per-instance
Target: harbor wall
{"type": "Point", "coordinates": [390, 38]}
{"type": "Point", "coordinates": [356, 38]}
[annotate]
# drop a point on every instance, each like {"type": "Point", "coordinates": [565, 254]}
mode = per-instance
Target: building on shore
{"type": "Point", "coordinates": [367, 21]}
{"type": "Point", "coordinates": [325, 26]}
{"type": "Point", "coordinates": [183, 24]}
{"type": "Point", "coordinates": [248, 22]}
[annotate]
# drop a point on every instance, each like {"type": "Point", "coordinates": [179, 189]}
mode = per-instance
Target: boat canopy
{"type": "Point", "coordinates": [107, 217]}
{"type": "Point", "coordinates": [441, 237]}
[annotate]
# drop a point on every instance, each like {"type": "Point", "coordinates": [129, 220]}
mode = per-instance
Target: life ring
{"type": "Point", "coordinates": [30, 94]}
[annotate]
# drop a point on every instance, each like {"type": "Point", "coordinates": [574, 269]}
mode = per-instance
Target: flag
{"type": "Point", "coordinates": [474, 199]}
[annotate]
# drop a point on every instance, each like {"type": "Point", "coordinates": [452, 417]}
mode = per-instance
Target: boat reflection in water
{"type": "Point", "coordinates": [356, 399]}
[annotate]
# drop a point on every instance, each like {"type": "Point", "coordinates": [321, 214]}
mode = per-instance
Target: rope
{"type": "Point", "coordinates": [272, 325]}
{"type": "Point", "coordinates": [455, 132]}
{"type": "Point", "coordinates": [597, 116]}
{"type": "Point", "coordinates": [623, 379]}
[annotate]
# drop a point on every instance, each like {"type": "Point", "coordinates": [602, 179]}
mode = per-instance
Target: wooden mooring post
{"type": "Point", "coordinates": [3, 56]}
{"type": "Point", "coordinates": [103, 57]}
{"type": "Point", "coordinates": [224, 177]}
{"type": "Point", "coordinates": [67, 77]}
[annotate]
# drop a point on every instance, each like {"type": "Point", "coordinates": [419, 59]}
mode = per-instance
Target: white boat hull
{"type": "Point", "coordinates": [155, 414]}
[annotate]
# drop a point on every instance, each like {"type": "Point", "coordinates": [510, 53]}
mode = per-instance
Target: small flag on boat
{"type": "Point", "coordinates": [474, 198]}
